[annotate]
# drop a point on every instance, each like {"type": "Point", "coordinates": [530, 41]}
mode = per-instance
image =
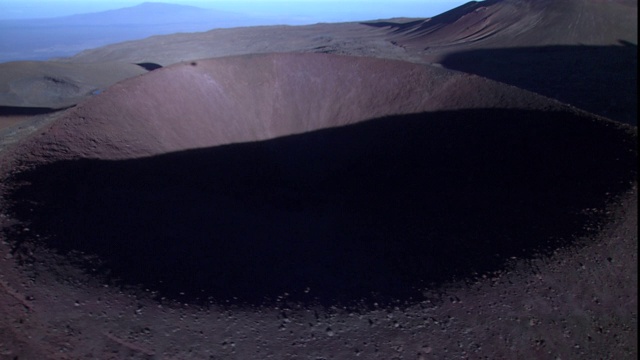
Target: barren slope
{"type": "Point", "coordinates": [580, 52]}
{"type": "Point", "coordinates": [238, 99]}
{"type": "Point", "coordinates": [309, 206]}
{"type": "Point", "coordinates": [343, 147]}
{"type": "Point", "coordinates": [514, 23]}
{"type": "Point", "coordinates": [47, 84]}
{"type": "Point", "coordinates": [263, 206]}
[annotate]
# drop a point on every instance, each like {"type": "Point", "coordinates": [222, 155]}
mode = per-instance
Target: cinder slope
{"type": "Point", "coordinates": [513, 23]}
{"type": "Point", "coordinates": [319, 181]}
{"type": "Point", "coordinates": [248, 98]}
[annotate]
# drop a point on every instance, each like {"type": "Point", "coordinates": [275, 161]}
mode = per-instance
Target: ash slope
{"type": "Point", "coordinates": [303, 178]}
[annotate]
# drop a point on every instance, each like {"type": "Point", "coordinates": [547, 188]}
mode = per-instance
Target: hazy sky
{"type": "Point", "coordinates": [313, 10]}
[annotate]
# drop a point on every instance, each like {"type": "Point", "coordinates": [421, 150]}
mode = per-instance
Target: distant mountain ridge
{"type": "Point", "coordinates": [42, 39]}
{"type": "Point", "coordinates": [153, 13]}
{"type": "Point", "coordinates": [146, 12]}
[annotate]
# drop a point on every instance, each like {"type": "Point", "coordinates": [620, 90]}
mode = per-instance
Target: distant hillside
{"type": "Point", "coordinates": [42, 39]}
{"type": "Point", "coordinates": [546, 46]}
{"type": "Point", "coordinates": [148, 13]}
{"type": "Point", "coordinates": [516, 23]}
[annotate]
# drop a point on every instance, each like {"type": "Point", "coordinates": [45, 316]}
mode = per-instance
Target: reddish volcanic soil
{"type": "Point", "coordinates": [319, 206]}
{"type": "Point", "coordinates": [433, 197]}
{"type": "Point", "coordinates": [257, 97]}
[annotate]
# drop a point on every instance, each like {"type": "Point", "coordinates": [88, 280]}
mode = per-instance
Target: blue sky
{"type": "Point", "coordinates": [311, 10]}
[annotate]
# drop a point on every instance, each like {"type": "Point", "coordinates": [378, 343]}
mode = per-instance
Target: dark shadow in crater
{"type": "Point", "coordinates": [371, 212]}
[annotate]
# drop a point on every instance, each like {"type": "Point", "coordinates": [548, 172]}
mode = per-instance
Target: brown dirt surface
{"type": "Point", "coordinates": [258, 97]}
{"type": "Point", "coordinates": [283, 204]}
{"type": "Point", "coordinates": [263, 206]}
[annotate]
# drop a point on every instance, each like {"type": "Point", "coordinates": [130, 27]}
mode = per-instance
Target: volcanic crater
{"type": "Point", "coordinates": [333, 179]}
